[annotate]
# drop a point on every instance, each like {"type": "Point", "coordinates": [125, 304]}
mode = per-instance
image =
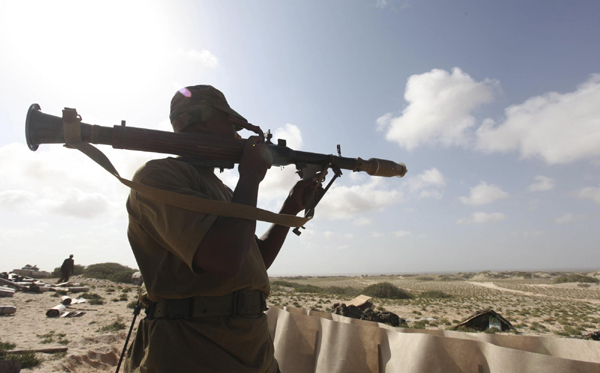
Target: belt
{"type": "Point", "coordinates": [237, 303]}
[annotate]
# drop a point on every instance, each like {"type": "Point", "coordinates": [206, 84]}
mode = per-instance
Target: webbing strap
{"type": "Point", "coordinates": [72, 131]}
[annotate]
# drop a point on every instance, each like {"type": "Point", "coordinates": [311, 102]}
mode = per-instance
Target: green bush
{"type": "Point", "coordinates": [419, 325]}
{"type": "Point", "coordinates": [109, 271]}
{"type": "Point", "coordinates": [423, 278]}
{"type": "Point", "coordinates": [114, 327]}
{"type": "Point", "coordinates": [27, 359]}
{"type": "Point", "coordinates": [77, 270]}
{"type": "Point", "coordinates": [435, 294]}
{"type": "Point", "coordinates": [288, 284]}
{"type": "Point", "coordinates": [492, 330]}
{"type": "Point", "coordinates": [338, 290]}
{"type": "Point", "coordinates": [301, 288]}
{"type": "Point", "coordinates": [576, 278]}
{"type": "Point", "coordinates": [386, 290]}
{"type": "Point", "coordinates": [466, 329]}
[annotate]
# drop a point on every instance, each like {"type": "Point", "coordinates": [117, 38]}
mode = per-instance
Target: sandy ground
{"type": "Point", "coordinates": [90, 349]}
{"type": "Point", "coordinates": [491, 285]}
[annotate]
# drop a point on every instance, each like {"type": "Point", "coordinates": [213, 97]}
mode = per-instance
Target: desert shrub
{"type": "Point", "coordinates": [584, 285]}
{"type": "Point", "coordinates": [77, 270]}
{"type": "Point", "coordinates": [466, 329]}
{"type": "Point", "coordinates": [110, 271]}
{"type": "Point", "coordinates": [27, 359]}
{"type": "Point", "coordinates": [93, 299]}
{"type": "Point", "coordinates": [307, 289]}
{"type": "Point", "coordinates": [575, 278]}
{"type": "Point", "coordinates": [301, 288]}
{"type": "Point", "coordinates": [287, 284]}
{"type": "Point", "coordinates": [114, 327]}
{"type": "Point", "coordinates": [492, 330]}
{"type": "Point", "coordinates": [435, 294]}
{"type": "Point", "coordinates": [338, 290]}
{"type": "Point", "coordinates": [386, 290]}
{"type": "Point", "coordinates": [419, 324]}
{"type": "Point", "coordinates": [89, 296]}
{"type": "Point", "coordinates": [422, 278]}
{"type": "Point", "coordinates": [569, 330]}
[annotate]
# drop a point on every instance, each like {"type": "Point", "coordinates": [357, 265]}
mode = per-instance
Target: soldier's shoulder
{"type": "Point", "coordinates": [158, 167]}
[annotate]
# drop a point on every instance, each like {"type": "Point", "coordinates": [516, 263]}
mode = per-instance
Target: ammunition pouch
{"type": "Point", "coordinates": [235, 304]}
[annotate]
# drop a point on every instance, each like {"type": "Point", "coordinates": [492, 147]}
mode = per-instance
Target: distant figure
{"type": "Point", "coordinates": [66, 269]}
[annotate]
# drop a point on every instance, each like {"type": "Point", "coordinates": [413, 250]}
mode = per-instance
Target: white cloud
{"type": "Point", "coordinates": [428, 184]}
{"type": "Point", "coordinates": [402, 233]}
{"type": "Point", "coordinates": [291, 134]}
{"type": "Point", "coordinates": [439, 109]}
{"type": "Point", "coordinates": [328, 234]}
{"type": "Point", "coordinates": [376, 234]}
{"type": "Point", "coordinates": [591, 193]}
{"type": "Point", "coordinates": [542, 184]}
{"type": "Point", "coordinates": [383, 121]}
{"type": "Point", "coordinates": [344, 202]}
{"type": "Point", "coordinates": [482, 218]}
{"type": "Point", "coordinates": [565, 219]}
{"type": "Point", "coordinates": [76, 203]}
{"type": "Point", "coordinates": [205, 57]}
{"type": "Point", "coordinates": [558, 128]}
{"type": "Point", "coordinates": [278, 181]}
{"type": "Point", "coordinates": [17, 199]}
{"type": "Point", "coordinates": [431, 177]}
{"type": "Point", "coordinates": [484, 193]}
{"type": "Point", "coordinates": [362, 221]}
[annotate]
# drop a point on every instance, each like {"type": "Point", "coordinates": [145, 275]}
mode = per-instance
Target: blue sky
{"type": "Point", "coordinates": [493, 106]}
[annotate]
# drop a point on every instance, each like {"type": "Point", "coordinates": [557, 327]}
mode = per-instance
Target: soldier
{"type": "Point", "coordinates": [205, 275]}
{"type": "Point", "coordinates": [66, 270]}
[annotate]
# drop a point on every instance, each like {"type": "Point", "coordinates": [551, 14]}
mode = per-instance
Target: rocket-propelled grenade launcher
{"type": "Point", "coordinates": [41, 128]}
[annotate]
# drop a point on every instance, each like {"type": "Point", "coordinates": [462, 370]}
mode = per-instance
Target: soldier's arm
{"type": "Point", "coordinates": [224, 248]}
{"type": "Point", "coordinates": [271, 242]}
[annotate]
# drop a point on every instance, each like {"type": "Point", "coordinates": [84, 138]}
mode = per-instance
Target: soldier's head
{"type": "Point", "coordinates": [204, 109]}
{"type": "Point", "coordinates": [71, 256]}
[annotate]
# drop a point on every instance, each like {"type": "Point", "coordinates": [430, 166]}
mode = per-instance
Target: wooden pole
{"type": "Point", "coordinates": [43, 350]}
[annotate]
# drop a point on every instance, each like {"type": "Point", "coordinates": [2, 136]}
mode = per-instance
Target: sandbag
{"type": "Point", "coordinates": [5, 291]}
{"type": "Point", "coordinates": [307, 341]}
{"type": "Point", "coordinates": [66, 300]}
{"type": "Point", "coordinates": [56, 311]}
{"type": "Point", "coordinates": [7, 310]}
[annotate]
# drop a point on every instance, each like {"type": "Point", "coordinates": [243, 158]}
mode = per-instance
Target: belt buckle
{"type": "Point", "coordinates": [179, 309]}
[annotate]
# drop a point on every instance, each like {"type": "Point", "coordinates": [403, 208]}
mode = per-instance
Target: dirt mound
{"type": "Point", "coordinates": [92, 354]}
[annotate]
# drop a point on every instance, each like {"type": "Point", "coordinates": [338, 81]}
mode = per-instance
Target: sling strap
{"type": "Point", "coordinates": [72, 132]}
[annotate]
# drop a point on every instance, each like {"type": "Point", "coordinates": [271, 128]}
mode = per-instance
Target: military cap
{"type": "Point", "coordinates": [195, 104]}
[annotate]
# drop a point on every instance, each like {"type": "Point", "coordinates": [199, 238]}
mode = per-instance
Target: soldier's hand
{"type": "Point", "coordinates": [299, 195]}
{"type": "Point", "coordinates": [256, 159]}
